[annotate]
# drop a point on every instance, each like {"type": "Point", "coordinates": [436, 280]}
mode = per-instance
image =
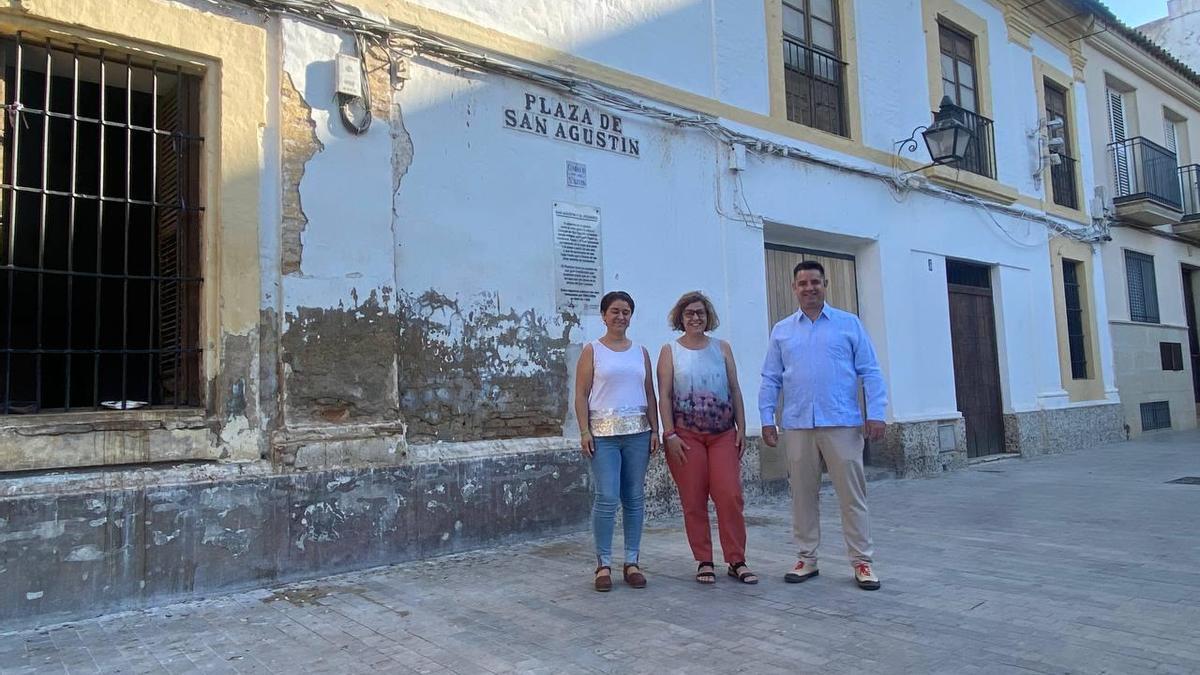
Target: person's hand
{"type": "Point", "coordinates": [770, 435]}
{"type": "Point", "coordinates": [874, 429]}
{"type": "Point", "coordinates": [653, 442]}
{"type": "Point", "coordinates": [676, 449]}
{"type": "Point", "coordinates": [586, 444]}
{"type": "Point", "coordinates": [739, 441]}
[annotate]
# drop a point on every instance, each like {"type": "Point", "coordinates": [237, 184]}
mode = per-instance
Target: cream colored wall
{"type": "Point", "coordinates": [1138, 365]}
{"type": "Point", "coordinates": [1168, 254]}
{"type": "Point", "coordinates": [1155, 88]}
{"type": "Point", "coordinates": [1141, 379]}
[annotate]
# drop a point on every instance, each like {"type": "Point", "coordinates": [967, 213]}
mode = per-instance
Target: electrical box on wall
{"type": "Point", "coordinates": [349, 75]}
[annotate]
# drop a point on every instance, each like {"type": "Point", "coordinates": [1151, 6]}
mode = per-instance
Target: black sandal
{"type": "Point", "coordinates": [706, 577]}
{"type": "Point", "coordinates": [603, 583]}
{"type": "Point", "coordinates": [744, 575]}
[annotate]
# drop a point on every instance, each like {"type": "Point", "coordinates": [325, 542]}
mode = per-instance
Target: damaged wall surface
{"type": "Point", "coordinates": [70, 550]}
{"type": "Point", "coordinates": [472, 372]}
{"type": "Point", "coordinates": [389, 375]}
{"type": "Point", "coordinates": [457, 361]}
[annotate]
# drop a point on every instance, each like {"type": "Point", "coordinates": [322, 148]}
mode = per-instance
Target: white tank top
{"type": "Point", "coordinates": [617, 404]}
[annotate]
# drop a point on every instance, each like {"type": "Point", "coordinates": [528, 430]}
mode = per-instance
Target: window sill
{"type": "Point", "coordinates": [1074, 215]}
{"type": "Point", "coordinates": [103, 420]}
{"type": "Point", "coordinates": [1147, 324]}
{"type": "Point", "coordinates": [94, 439]}
{"type": "Point", "coordinates": [975, 184]}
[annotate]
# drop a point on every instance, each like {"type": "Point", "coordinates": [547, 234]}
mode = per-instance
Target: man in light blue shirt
{"type": "Point", "coordinates": [816, 358]}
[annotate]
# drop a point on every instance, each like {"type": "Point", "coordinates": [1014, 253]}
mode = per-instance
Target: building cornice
{"type": "Point", "coordinates": [1120, 50]}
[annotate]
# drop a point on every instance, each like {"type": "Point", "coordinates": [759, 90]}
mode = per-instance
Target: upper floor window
{"type": "Point", "coordinates": [1143, 289]}
{"type": "Point", "coordinates": [1062, 174]}
{"type": "Point", "coordinates": [960, 85]}
{"type": "Point", "coordinates": [958, 67]}
{"type": "Point", "coordinates": [814, 75]}
{"type": "Point", "coordinates": [100, 214]}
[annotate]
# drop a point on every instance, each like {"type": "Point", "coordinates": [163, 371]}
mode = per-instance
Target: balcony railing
{"type": "Point", "coordinates": [1189, 187]}
{"type": "Point", "coordinates": [1144, 170]}
{"type": "Point", "coordinates": [981, 154]}
{"type": "Point", "coordinates": [1062, 183]}
{"type": "Point", "coordinates": [814, 88]}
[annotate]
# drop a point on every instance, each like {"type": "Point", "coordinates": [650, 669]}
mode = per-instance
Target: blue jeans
{"type": "Point", "coordinates": [619, 476]}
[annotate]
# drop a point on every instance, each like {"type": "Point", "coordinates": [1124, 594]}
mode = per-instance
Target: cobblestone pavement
{"type": "Point", "coordinates": [1086, 562]}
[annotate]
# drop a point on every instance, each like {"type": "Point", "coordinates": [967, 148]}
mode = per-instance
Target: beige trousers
{"type": "Point", "coordinates": [842, 448]}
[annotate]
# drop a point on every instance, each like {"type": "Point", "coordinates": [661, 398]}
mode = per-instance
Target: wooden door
{"type": "Point", "coordinates": [1190, 276]}
{"type": "Point", "coordinates": [976, 364]}
{"type": "Point", "coordinates": [781, 302]}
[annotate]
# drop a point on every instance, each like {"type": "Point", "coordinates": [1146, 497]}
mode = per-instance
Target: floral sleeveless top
{"type": "Point", "coordinates": [701, 399]}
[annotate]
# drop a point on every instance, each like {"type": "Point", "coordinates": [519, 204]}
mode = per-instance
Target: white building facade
{"type": "Point", "coordinates": [396, 218]}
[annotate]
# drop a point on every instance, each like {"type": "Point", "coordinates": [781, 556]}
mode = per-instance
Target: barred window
{"type": "Point", "coordinates": [1076, 336]}
{"type": "Point", "coordinates": [1143, 290]}
{"type": "Point", "coordinates": [100, 215]}
{"type": "Point", "coordinates": [1155, 415]}
{"type": "Point", "coordinates": [1062, 175]}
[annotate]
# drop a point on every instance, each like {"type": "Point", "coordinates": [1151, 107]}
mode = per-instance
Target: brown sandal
{"type": "Point", "coordinates": [603, 584]}
{"type": "Point", "coordinates": [635, 579]}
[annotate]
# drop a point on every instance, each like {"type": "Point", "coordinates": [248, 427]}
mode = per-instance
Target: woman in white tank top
{"type": "Point", "coordinates": [618, 429]}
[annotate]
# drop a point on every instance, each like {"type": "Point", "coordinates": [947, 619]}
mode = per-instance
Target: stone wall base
{"type": "Point", "coordinates": [85, 544]}
{"type": "Point", "coordinates": [923, 449]}
{"type": "Point", "coordinates": [1052, 431]}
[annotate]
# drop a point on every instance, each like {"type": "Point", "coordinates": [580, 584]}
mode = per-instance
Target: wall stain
{"type": "Point", "coordinates": [478, 372]}
{"type": "Point", "coordinates": [339, 363]}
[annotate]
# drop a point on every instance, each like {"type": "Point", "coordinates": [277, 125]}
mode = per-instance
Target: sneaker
{"type": "Point", "coordinates": [801, 572]}
{"type": "Point", "coordinates": [865, 577]}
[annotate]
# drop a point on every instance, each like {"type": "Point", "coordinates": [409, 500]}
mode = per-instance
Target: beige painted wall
{"type": "Point", "coordinates": [1138, 362]}
{"type": "Point", "coordinates": [1141, 379]}
{"type": "Point", "coordinates": [1153, 89]}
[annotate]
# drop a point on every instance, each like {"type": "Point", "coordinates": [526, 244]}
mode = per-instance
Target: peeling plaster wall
{"type": "Point", "coordinates": [462, 361]}
{"type": "Point", "coordinates": [300, 144]}
{"type": "Point", "coordinates": [128, 543]}
{"type": "Point", "coordinates": [475, 231]}
{"type": "Point", "coordinates": [472, 372]}
{"type": "Point", "coordinates": [338, 325]}
{"type": "Point", "coordinates": [340, 363]}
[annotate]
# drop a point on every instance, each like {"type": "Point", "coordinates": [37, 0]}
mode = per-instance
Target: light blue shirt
{"type": "Point", "coordinates": [817, 365]}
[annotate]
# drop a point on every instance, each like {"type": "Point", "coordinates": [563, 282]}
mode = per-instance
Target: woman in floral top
{"type": "Point", "coordinates": [704, 425]}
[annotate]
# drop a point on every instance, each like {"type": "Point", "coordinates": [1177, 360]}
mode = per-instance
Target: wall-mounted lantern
{"type": "Point", "coordinates": [948, 139]}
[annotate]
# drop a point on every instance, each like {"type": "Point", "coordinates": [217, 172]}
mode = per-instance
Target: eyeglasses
{"type": "Point", "coordinates": [694, 313]}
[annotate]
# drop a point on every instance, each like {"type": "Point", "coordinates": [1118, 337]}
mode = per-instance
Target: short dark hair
{"type": "Point", "coordinates": [675, 316]}
{"type": "Point", "coordinates": [808, 265]}
{"type": "Point", "coordinates": [613, 296]}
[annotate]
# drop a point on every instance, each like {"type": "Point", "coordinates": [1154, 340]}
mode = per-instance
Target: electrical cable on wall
{"type": "Point", "coordinates": [415, 41]}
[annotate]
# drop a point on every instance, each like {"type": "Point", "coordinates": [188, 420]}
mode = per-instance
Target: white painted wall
{"type": "Point", "coordinates": [669, 41]}
{"type": "Point", "coordinates": [472, 218]}
{"type": "Point", "coordinates": [1177, 32]}
{"type": "Point", "coordinates": [346, 189]}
